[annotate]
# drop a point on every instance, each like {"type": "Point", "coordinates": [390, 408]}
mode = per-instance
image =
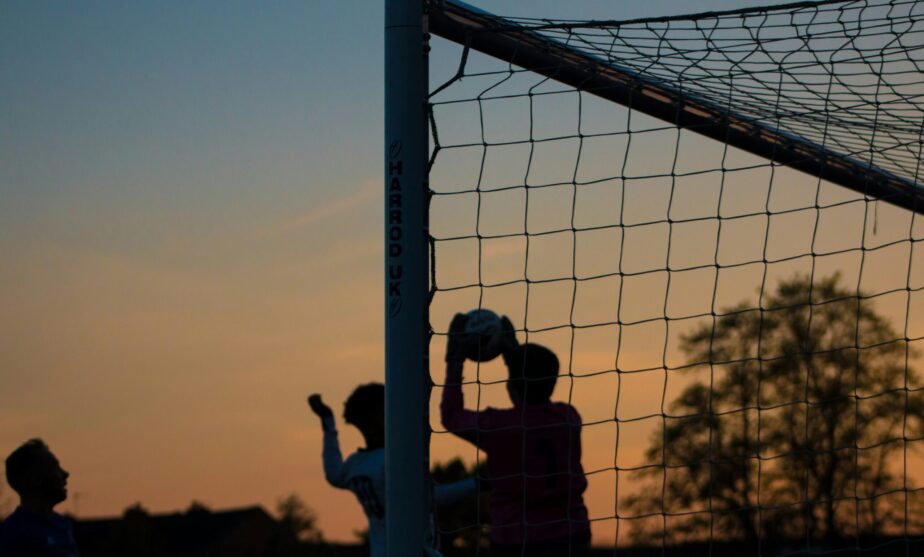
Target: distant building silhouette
{"type": "Point", "coordinates": [199, 532]}
{"type": "Point", "coordinates": [246, 532]}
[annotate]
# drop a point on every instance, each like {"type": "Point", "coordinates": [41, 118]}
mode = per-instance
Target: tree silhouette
{"type": "Point", "coordinates": [197, 507]}
{"type": "Point", "coordinates": [297, 518]}
{"type": "Point", "coordinates": [795, 432]}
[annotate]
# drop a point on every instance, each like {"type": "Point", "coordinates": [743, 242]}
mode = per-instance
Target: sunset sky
{"type": "Point", "coordinates": [191, 242]}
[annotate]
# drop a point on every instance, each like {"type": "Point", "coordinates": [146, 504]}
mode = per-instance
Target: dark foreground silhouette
{"type": "Point", "coordinates": [199, 532]}
{"type": "Point", "coordinates": [253, 532]}
{"type": "Point", "coordinates": [35, 529]}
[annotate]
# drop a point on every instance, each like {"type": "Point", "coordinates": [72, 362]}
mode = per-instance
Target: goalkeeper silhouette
{"type": "Point", "coordinates": [363, 472]}
{"type": "Point", "coordinates": [533, 450]}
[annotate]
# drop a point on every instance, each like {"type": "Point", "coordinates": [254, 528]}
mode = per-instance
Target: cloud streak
{"type": "Point", "coordinates": [368, 192]}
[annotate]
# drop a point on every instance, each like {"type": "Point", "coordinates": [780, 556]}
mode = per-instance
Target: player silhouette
{"type": "Point", "coordinates": [363, 472]}
{"type": "Point", "coordinates": [533, 450]}
{"type": "Point", "coordinates": [34, 529]}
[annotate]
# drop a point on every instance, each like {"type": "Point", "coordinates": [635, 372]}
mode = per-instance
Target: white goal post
{"type": "Point", "coordinates": [406, 281]}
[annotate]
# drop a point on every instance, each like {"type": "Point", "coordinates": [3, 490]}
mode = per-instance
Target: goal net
{"type": "Point", "coordinates": [712, 220]}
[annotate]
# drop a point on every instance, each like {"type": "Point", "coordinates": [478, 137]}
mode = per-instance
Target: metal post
{"type": "Point", "coordinates": [407, 499]}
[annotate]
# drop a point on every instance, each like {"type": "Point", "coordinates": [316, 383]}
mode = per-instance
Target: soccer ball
{"type": "Point", "coordinates": [486, 326]}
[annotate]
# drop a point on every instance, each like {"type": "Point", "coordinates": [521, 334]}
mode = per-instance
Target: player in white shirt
{"type": "Point", "coordinates": [363, 472]}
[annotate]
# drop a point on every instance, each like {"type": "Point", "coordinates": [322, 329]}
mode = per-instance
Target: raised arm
{"type": "Point", "coordinates": [332, 458]}
{"type": "Point", "coordinates": [454, 416]}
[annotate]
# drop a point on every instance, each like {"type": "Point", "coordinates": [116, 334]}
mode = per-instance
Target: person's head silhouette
{"type": "Point", "coordinates": [34, 472]}
{"type": "Point", "coordinates": [533, 372]}
{"type": "Point", "coordinates": [34, 528]}
{"type": "Point", "coordinates": [365, 409]}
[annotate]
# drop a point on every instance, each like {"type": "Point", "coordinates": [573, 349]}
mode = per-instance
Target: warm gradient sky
{"type": "Point", "coordinates": [190, 242]}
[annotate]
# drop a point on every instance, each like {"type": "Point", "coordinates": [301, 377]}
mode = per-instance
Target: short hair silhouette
{"type": "Point", "coordinates": [533, 372]}
{"type": "Point", "coordinates": [22, 461]}
{"type": "Point", "coordinates": [365, 405]}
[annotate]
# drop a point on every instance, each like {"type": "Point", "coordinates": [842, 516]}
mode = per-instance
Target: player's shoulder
{"type": "Point", "coordinates": [23, 530]}
{"type": "Point", "coordinates": [17, 522]}
{"type": "Point", "coordinates": [567, 410]}
{"type": "Point", "coordinates": [363, 458]}
{"type": "Point", "coordinates": [491, 417]}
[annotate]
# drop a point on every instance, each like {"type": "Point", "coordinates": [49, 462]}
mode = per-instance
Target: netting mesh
{"type": "Point", "coordinates": [739, 337]}
{"type": "Point", "coordinates": [844, 75]}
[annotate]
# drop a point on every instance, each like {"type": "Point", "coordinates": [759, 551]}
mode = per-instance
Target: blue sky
{"type": "Point", "coordinates": [200, 112]}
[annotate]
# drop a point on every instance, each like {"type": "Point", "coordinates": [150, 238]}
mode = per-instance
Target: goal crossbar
{"type": "Point", "coordinates": [513, 43]}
